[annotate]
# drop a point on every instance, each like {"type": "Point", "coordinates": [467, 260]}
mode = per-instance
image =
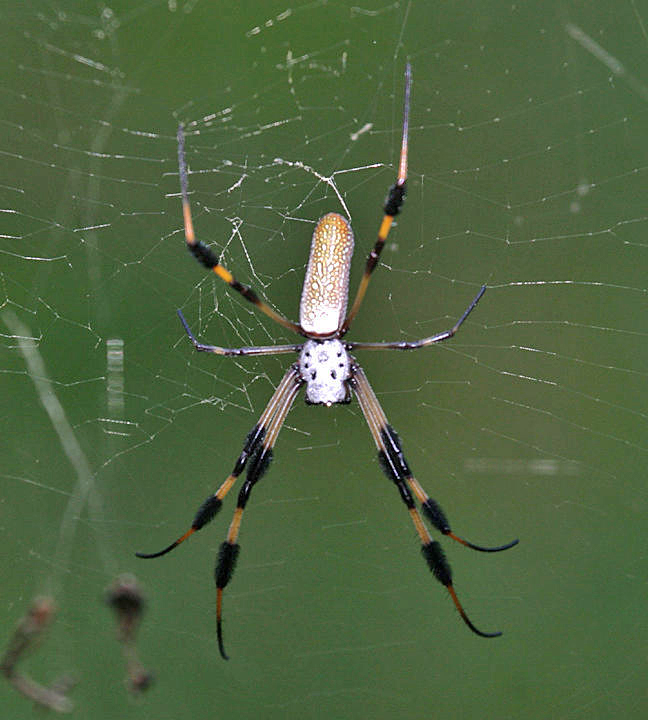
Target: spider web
{"type": "Point", "coordinates": [527, 172]}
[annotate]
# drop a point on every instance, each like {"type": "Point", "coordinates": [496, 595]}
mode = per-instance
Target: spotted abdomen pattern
{"type": "Point", "coordinates": [326, 285]}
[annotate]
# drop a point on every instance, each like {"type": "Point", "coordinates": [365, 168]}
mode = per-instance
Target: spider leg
{"type": "Point", "coordinates": [229, 549]}
{"type": "Point", "coordinates": [393, 202]}
{"type": "Point", "coordinates": [229, 352]}
{"type": "Point", "coordinates": [433, 511]}
{"type": "Point", "coordinates": [395, 466]}
{"type": "Point", "coordinates": [206, 257]}
{"type": "Point", "coordinates": [256, 436]}
{"type": "Point", "coordinates": [424, 342]}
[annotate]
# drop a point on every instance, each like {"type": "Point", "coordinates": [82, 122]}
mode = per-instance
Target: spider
{"type": "Point", "coordinates": [331, 375]}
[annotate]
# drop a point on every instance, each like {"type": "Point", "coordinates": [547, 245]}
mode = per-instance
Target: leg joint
{"type": "Point", "coordinates": [206, 512]}
{"type": "Point", "coordinates": [259, 465]}
{"type": "Point", "coordinates": [254, 437]}
{"type": "Point", "coordinates": [436, 560]}
{"type": "Point", "coordinates": [203, 254]}
{"type": "Point", "coordinates": [395, 198]}
{"type": "Point", "coordinates": [394, 451]}
{"type": "Point", "coordinates": [227, 556]}
{"type": "Point", "coordinates": [433, 512]}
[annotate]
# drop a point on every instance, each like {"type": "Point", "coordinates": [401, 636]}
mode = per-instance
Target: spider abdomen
{"type": "Point", "coordinates": [326, 285]}
{"type": "Point", "coordinates": [325, 367]}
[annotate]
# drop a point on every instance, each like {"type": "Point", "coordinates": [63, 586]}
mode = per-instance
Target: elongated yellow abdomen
{"type": "Point", "coordinates": [326, 285]}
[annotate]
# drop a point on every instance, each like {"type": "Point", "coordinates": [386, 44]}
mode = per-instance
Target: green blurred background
{"type": "Point", "coordinates": [527, 171]}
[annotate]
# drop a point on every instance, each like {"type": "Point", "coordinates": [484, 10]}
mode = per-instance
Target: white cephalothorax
{"type": "Point", "coordinates": [325, 367]}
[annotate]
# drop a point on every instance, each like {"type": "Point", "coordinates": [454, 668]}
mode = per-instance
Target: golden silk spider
{"type": "Point", "coordinates": [331, 375]}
